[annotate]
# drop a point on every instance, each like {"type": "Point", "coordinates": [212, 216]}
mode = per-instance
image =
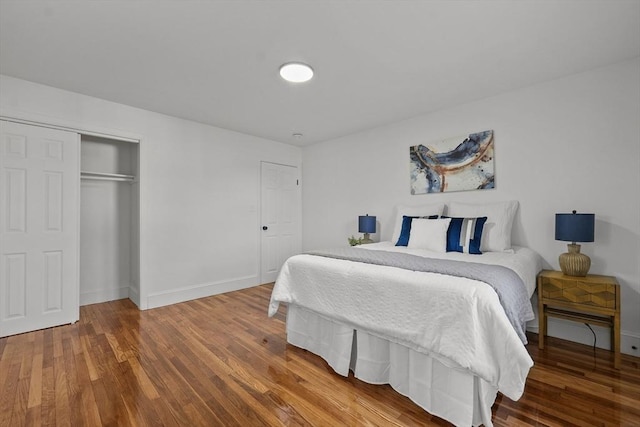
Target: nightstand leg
{"type": "Point", "coordinates": [542, 326]}
{"type": "Point", "coordinates": [615, 341]}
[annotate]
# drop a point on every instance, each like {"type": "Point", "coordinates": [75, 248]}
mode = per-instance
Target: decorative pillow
{"type": "Point", "coordinates": [496, 234]}
{"type": "Point", "coordinates": [403, 240]}
{"type": "Point", "coordinates": [422, 210]}
{"type": "Point", "coordinates": [430, 234]}
{"type": "Point", "coordinates": [465, 234]}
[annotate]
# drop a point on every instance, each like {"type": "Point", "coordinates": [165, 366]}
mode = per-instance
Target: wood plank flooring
{"type": "Point", "coordinates": [220, 361]}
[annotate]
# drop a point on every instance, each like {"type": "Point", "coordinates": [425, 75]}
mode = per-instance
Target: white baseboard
{"type": "Point", "coordinates": [188, 293]}
{"type": "Point", "coordinates": [104, 295]}
{"type": "Point", "coordinates": [578, 332]}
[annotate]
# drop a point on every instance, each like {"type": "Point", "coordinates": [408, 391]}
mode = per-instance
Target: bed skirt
{"type": "Point", "coordinates": [437, 386]}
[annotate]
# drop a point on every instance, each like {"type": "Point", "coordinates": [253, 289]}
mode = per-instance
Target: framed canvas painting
{"type": "Point", "coordinates": [454, 164]}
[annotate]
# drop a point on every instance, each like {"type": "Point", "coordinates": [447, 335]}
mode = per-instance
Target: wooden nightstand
{"type": "Point", "coordinates": [591, 299]}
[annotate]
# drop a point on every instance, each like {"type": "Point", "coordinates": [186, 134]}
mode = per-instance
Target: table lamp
{"type": "Point", "coordinates": [574, 227]}
{"type": "Point", "coordinates": [366, 225]}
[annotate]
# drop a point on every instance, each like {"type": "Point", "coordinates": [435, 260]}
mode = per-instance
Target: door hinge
{"type": "Point", "coordinates": [297, 182]}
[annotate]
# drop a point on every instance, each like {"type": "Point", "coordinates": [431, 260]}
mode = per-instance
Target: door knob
{"type": "Point", "coordinates": [264, 227]}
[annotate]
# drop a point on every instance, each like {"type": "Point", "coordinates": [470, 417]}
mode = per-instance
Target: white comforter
{"type": "Point", "coordinates": [459, 321]}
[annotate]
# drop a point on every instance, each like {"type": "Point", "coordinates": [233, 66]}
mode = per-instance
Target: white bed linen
{"type": "Point", "coordinates": [457, 321]}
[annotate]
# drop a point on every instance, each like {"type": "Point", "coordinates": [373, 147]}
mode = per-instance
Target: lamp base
{"type": "Point", "coordinates": [366, 239]}
{"type": "Point", "coordinates": [573, 263]}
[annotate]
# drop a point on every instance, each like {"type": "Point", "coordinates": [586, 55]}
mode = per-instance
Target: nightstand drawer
{"type": "Point", "coordinates": [579, 291]}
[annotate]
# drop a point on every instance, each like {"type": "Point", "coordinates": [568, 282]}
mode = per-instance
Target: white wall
{"type": "Point", "coordinates": [572, 143]}
{"type": "Point", "coordinates": [199, 189]}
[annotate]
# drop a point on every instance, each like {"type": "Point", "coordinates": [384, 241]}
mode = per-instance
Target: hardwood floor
{"type": "Point", "coordinates": [219, 361]}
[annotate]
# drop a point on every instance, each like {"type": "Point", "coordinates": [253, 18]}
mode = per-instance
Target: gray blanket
{"type": "Point", "coordinates": [508, 285]}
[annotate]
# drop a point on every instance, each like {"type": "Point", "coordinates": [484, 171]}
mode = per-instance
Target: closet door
{"type": "Point", "coordinates": [39, 226]}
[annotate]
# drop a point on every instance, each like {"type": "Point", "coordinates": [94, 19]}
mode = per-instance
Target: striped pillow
{"type": "Point", "coordinates": [464, 235]}
{"type": "Point", "coordinates": [405, 232]}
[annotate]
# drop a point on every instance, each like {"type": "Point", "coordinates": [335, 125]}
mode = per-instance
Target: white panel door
{"type": "Point", "coordinates": [39, 226]}
{"type": "Point", "coordinates": [280, 201]}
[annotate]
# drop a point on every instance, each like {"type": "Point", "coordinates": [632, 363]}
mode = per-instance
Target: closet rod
{"type": "Point", "coordinates": [106, 176]}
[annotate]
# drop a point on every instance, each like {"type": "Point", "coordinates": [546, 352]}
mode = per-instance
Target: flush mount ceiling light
{"type": "Point", "coordinates": [296, 72]}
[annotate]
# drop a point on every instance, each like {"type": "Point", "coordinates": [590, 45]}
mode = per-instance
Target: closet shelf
{"type": "Point", "coordinates": [106, 176]}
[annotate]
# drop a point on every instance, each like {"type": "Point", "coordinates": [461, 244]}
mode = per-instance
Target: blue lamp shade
{"type": "Point", "coordinates": [575, 227]}
{"type": "Point", "coordinates": [367, 224]}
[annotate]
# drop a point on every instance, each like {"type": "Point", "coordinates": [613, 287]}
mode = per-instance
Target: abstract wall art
{"type": "Point", "coordinates": [454, 164]}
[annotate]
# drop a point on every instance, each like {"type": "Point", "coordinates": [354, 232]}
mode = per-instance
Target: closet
{"type": "Point", "coordinates": [109, 225]}
{"type": "Point", "coordinates": [69, 223]}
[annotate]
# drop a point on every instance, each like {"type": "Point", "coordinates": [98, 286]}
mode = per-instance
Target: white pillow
{"type": "Point", "coordinates": [496, 234]}
{"type": "Point", "coordinates": [430, 234]}
{"type": "Point", "coordinates": [422, 210]}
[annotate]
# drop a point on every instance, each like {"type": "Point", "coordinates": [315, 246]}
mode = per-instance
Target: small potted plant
{"type": "Point", "coordinates": [355, 242]}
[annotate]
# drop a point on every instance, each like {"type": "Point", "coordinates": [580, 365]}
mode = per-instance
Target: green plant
{"type": "Point", "coordinates": [354, 242]}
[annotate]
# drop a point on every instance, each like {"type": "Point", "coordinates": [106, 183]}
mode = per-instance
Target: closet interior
{"type": "Point", "coordinates": [109, 220]}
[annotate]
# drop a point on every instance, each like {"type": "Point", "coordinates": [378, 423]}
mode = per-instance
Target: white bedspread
{"type": "Point", "coordinates": [456, 320]}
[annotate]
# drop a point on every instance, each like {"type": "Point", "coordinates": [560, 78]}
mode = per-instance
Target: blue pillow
{"type": "Point", "coordinates": [464, 235]}
{"type": "Point", "coordinates": [405, 231]}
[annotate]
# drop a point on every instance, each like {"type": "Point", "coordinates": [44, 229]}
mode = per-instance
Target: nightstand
{"type": "Point", "coordinates": [592, 299]}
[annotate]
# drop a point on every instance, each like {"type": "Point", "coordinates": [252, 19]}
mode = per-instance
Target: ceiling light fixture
{"type": "Point", "coordinates": [296, 72]}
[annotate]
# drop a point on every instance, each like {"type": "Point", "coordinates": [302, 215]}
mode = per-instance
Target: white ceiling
{"type": "Point", "coordinates": [376, 62]}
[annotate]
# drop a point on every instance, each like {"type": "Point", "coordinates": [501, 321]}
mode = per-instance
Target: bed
{"type": "Point", "coordinates": [447, 338]}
